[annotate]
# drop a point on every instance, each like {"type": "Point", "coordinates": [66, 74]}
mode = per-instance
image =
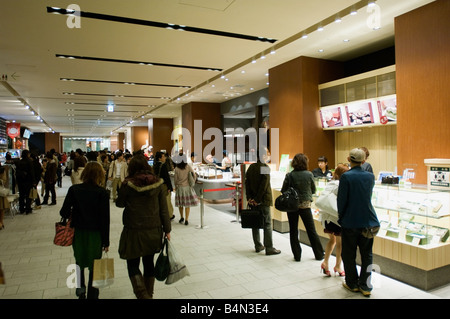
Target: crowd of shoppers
{"type": "Point", "coordinates": [145, 194]}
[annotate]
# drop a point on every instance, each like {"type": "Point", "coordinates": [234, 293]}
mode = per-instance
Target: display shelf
{"type": "Point", "coordinates": [413, 244]}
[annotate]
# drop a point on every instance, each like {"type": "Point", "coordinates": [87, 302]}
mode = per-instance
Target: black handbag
{"type": "Point", "coordinates": [289, 200]}
{"type": "Point", "coordinates": [162, 265]}
{"type": "Point", "coordinates": [252, 218]}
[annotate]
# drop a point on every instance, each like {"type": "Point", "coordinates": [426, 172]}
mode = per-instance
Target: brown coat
{"type": "Point", "coordinates": [145, 217]}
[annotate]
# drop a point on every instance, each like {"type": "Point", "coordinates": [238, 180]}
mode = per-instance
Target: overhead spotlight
{"type": "Point", "coordinates": [371, 3]}
{"type": "Point", "coordinates": [338, 20]}
{"type": "Point", "coordinates": [305, 36]}
{"type": "Point", "coordinates": [320, 28]}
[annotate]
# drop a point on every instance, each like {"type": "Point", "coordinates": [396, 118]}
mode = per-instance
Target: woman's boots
{"type": "Point", "coordinates": [143, 286]}
{"type": "Point", "coordinates": [149, 285]}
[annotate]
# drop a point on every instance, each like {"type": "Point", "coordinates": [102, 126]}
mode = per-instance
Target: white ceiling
{"type": "Point", "coordinates": [31, 38]}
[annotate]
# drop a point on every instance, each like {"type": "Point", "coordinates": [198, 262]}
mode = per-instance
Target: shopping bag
{"type": "Point", "coordinates": [63, 233]}
{"type": "Point", "coordinates": [162, 267]}
{"type": "Point", "coordinates": [178, 269]}
{"type": "Point", "coordinates": [103, 272]}
{"type": "Point", "coordinates": [4, 191]}
{"type": "Point", "coordinates": [252, 218]}
{"type": "Point", "coordinates": [289, 200]}
{"type": "Point", "coordinates": [33, 193]}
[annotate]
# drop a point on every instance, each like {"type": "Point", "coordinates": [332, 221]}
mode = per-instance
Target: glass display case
{"type": "Point", "coordinates": [413, 215]}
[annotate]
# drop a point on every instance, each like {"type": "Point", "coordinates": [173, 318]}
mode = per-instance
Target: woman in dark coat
{"type": "Point", "coordinates": [146, 221]}
{"type": "Point", "coordinates": [88, 205]}
{"type": "Point", "coordinates": [303, 181]}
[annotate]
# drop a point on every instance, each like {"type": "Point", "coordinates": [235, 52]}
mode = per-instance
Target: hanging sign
{"type": "Point", "coordinates": [13, 129]}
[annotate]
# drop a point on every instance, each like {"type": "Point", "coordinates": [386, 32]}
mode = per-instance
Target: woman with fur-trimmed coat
{"type": "Point", "coordinates": [145, 223]}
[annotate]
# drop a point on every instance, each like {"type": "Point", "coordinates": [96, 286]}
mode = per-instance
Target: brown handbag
{"type": "Point", "coordinates": [64, 233]}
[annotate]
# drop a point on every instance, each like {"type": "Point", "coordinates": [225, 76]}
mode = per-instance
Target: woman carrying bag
{"type": "Point", "coordinates": [327, 205]}
{"type": "Point", "coordinates": [303, 181]}
{"type": "Point", "coordinates": [87, 204]}
{"type": "Point", "coordinates": [184, 180]}
{"type": "Point", "coordinates": [145, 223]}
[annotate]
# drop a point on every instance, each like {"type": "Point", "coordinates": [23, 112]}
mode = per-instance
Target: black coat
{"type": "Point", "coordinates": [89, 206]}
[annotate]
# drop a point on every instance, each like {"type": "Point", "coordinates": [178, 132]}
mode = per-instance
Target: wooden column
{"type": "Point", "coordinates": [294, 107]}
{"type": "Point", "coordinates": [423, 77]}
{"type": "Point", "coordinates": [210, 116]}
{"type": "Point", "coordinates": [160, 133]}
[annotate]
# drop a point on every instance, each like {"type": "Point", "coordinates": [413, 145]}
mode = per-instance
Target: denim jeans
{"type": "Point", "coordinates": [351, 240]}
{"type": "Point", "coordinates": [265, 210]}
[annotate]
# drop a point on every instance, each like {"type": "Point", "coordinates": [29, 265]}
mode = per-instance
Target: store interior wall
{"type": "Point", "coordinates": [381, 141]}
{"type": "Point", "coordinates": [423, 77]}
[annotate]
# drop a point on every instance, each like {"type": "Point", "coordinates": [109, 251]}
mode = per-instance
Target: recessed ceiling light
{"type": "Point", "coordinates": [305, 36]}
{"type": "Point", "coordinates": [321, 50]}
{"type": "Point", "coordinates": [320, 29]}
{"type": "Point", "coordinates": [346, 40]}
{"type": "Point", "coordinates": [338, 20]}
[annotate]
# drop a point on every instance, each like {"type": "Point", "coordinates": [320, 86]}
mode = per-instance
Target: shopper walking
{"type": "Point", "coordinates": [88, 206]}
{"type": "Point", "coordinates": [259, 197]}
{"type": "Point", "coordinates": [185, 196]}
{"type": "Point", "coordinates": [145, 223]}
{"type": "Point", "coordinates": [117, 173]}
{"type": "Point", "coordinates": [327, 204]}
{"type": "Point", "coordinates": [79, 162]}
{"type": "Point", "coordinates": [50, 179]}
{"type": "Point", "coordinates": [4, 203]}
{"type": "Point", "coordinates": [37, 167]}
{"type": "Point", "coordinates": [303, 181]}
{"type": "Point", "coordinates": [25, 179]}
{"type": "Point", "coordinates": [359, 222]}
{"type": "Point", "coordinates": [160, 170]}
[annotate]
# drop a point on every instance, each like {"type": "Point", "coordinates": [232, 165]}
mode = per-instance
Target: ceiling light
{"type": "Point", "coordinates": [155, 24]}
{"type": "Point", "coordinates": [338, 20]}
{"type": "Point", "coordinates": [305, 36]}
{"type": "Point", "coordinates": [346, 40]}
{"type": "Point", "coordinates": [354, 12]}
{"type": "Point", "coordinates": [320, 28]}
{"type": "Point", "coordinates": [321, 50]}
{"type": "Point", "coordinates": [371, 3]}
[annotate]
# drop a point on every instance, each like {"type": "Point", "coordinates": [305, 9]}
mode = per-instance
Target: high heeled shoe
{"type": "Point", "coordinates": [325, 271]}
{"type": "Point", "coordinates": [341, 273]}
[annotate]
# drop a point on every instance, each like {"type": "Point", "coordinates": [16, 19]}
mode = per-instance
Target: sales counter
{"type": "Point", "coordinates": [413, 243]}
{"type": "Point", "coordinates": [216, 189]}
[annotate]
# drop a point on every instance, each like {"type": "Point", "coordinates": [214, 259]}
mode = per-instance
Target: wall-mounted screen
{"type": "Point", "coordinates": [359, 113]}
{"type": "Point", "coordinates": [26, 134]}
{"type": "Point", "coordinates": [331, 117]}
{"type": "Point", "coordinates": [387, 109]}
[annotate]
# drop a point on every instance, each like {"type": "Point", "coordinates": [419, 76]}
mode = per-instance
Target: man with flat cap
{"type": "Point", "coordinates": [359, 222]}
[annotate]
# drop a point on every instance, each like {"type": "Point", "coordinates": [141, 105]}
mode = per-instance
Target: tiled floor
{"type": "Point", "coordinates": [220, 258]}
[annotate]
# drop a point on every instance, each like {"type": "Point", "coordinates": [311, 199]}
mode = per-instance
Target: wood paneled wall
{"type": "Point", "coordinates": [381, 142]}
{"type": "Point", "coordinates": [160, 134]}
{"type": "Point", "coordinates": [139, 137]}
{"type": "Point", "coordinates": [52, 141]}
{"type": "Point", "coordinates": [294, 107]}
{"type": "Point", "coordinates": [423, 77]}
{"type": "Point", "coordinates": [209, 114]}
